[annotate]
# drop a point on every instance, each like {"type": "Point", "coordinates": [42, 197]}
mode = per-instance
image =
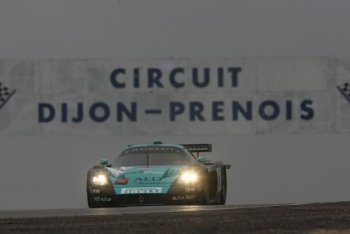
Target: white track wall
{"type": "Point", "coordinates": [292, 147]}
{"type": "Point", "coordinates": [189, 96]}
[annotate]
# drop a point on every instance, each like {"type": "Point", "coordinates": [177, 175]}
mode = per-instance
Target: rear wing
{"type": "Point", "coordinates": [198, 148]}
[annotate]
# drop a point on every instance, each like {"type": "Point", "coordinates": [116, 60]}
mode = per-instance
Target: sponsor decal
{"type": "Point", "coordinates": [183, 197]}
{"type": "Point", "coordinates": [138, 180]}
{"type": "Point", "coordinates": [154, 183]}
{"type": "Point", "coordinates": [5, 95]}
{"type": "Point", "coordinates": [154, 180]}
{"type": "Point", "coordinates": [121, 181]}
{"type": "Point", "coordinates": [143, 190]}
{"type": "Point", "coordinates": [147, 179]}
{"type": "Point", "coordinates": [190, 189]}
{"type": "Point", "coordinates": [96, 190]}
{"type": "Point", "coordinates": [102, 199]}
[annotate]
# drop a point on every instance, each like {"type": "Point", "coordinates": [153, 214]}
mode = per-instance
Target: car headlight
{"type": "Point", "coordinates": [99, 179]}
{"type": "Point", "coordinates": [189, 177]}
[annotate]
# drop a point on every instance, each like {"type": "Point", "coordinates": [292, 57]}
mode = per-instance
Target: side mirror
{"type": "Point", "coordinates": [104, 162]}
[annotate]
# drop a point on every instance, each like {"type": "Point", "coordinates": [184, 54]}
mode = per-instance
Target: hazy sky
{"type": "Point", "coordinates": [168, 28]}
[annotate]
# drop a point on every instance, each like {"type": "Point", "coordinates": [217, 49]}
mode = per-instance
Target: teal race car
{"type": "Point", "coordinates": [158, 174]}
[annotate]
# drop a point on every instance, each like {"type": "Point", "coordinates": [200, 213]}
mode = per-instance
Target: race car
{"type": "Point", "coordinates": [158, 174]}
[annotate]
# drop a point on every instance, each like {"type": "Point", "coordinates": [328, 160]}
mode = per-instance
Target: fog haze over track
{"type": "Point", "coordinates": [158, 28]}
{"type": "Point", "coordinates": [49, 172]}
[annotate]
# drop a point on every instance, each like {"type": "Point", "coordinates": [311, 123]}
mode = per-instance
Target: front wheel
{"type": "Point", "coordinates": [223, 192]}
{"type": "Point", "coordinates": [205, 191]}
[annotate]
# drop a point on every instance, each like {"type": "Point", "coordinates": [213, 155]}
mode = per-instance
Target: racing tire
{"type": "Point", "coordinates": [223, 192]}
{"type": "Point", "coordinates": [205, 193]}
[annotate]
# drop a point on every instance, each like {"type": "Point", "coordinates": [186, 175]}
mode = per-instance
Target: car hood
{"type": "Point", "coordinates": [139, 179]}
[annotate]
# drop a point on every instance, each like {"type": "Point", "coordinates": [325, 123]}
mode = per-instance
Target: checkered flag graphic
{"type": "Point", "coordinates": [345, 90]}
{"type": "Point", "coordinates": [5, 94]}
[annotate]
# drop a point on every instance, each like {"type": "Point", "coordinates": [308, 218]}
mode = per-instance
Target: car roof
{"type": "Point", "coordinates": [158, 145]}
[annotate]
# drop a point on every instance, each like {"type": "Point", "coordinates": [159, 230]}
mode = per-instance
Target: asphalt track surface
{"type": "Point", "coordinates": [307, 218]}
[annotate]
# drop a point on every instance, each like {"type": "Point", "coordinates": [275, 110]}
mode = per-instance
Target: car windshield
{"type": "Point", "coordinates": [152, 156]}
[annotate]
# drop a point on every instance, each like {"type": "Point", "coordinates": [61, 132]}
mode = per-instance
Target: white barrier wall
{"type": "Point", "coordinates": [187, 96]}
{"type": "Point", "coordinates": [281, 122]}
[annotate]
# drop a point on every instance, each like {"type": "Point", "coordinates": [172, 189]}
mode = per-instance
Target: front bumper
{"type": "Point", "coordinates": [180, 196]}
{"type": "Point", "coordinates": [148, 199]}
